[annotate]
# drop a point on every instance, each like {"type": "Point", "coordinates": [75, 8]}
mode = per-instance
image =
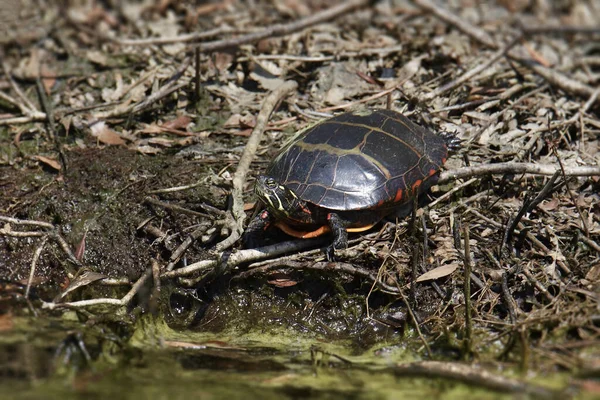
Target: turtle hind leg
{"type": "Point", "coordinates": [340, 235]}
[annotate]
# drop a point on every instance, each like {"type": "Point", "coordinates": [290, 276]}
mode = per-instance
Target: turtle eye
{"type": "Point", "coordinates": [271, 183]}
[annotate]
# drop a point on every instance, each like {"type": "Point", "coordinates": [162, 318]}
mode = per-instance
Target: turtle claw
{"type": "Point", "coordinates": [330, 253]}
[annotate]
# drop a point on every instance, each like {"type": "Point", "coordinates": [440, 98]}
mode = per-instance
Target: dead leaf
{"type": "Point", "coordinates": [281, 280]}
{"type": "Point", "coordinates": [233, 121]}
{"type": "Point", "coordinates": [181, 122]}
{"type": "Point", "coordinates": [549, 205]}
{"type": "Point", "coordinates": [282, 283]}
{"type": "Point", "coordinates": [145, 149]}
{"type": "Point", "coordinates": [80, 251]}
{"type": "Point", "coordinates": [97, 57]}
{"type": "Point", "coordinates": [6, 322]}
{"type": "Point", "coordinates": [593, 275]}
{"type": "Point", "coordinates": [222, 61]}
{"type": "Point", "coordinates": [106, 135]}
{"type": "Point", "coordinates": [48, 78]}
{"type": "Point", "coordinates": [438, 272]}
{"type": "Point", "coordinates": [82, 280]}
{"type": "Point", "coordinates": [160, 141]}
{"type": "Point", "coordinates": [52, 163]}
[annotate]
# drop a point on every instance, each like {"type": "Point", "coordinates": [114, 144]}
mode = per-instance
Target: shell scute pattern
{"type": "Point", "coordinates": [356, 161]}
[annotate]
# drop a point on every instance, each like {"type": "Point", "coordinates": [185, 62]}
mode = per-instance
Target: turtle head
{"type": "Point", "coordinates": [279, 199]}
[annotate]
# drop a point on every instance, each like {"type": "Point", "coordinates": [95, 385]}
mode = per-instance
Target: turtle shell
{"type": "Point", "coordinates": [372, 159]}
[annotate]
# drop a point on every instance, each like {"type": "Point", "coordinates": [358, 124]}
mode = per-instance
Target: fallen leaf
{"type": "Point", "coordinates": [145, 149]}
{"type": "Point", "coordinates": [593, 274]}
{"type": "Point", "coordinates": [281, 280]}
{"type": "Point", "coordinates": [48, 79]}
{"type": "Point", "coordinates": [52, 163]}
{"type": "Point", "coordinates": [82, 280]}
{"type": "Point", "coordinates": [180, 122]}
{"type": "Point", "coordinates": [438, 272]}
{"type": "Point", "coordinates": [549, 205]}
{"type": "Point", "coordinates": [6, 322]}
{"type": "Point", "coordinates": [282, 283]}
{"type": "Point", "coordinates": [80, 251]}
{"type": "Point", "coordinates": [161, 141]}
{"type": "Point", "coordinates": [106, 135]}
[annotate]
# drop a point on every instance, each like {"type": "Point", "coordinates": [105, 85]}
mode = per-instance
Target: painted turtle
{"type": "Point", "coordinates": [345, 174]}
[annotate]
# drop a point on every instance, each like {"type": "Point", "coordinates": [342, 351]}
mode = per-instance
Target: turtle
{"type": "Point", "coordinates": [345, 174]}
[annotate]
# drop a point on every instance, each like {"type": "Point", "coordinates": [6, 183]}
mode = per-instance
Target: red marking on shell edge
{"type": "Point", "coordinates": [398, 196]}
{"type": "Point", "coordinates": [444, 160]}
{"type": "Point", "coordinates": [416, 185]}
{"type": "Point", "coordinates": [432, 172]}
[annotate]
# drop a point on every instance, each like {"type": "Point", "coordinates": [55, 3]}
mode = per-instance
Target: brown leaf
{"type": "Point", "coordinates": [281, 280]}
{"type": "Point", "coordinates": [146, 149]}
{"type": "Point", "coordinates": [82, 280]}
{"type": "Point", "coordinates": [6, 322]}
{"type": "Point", "coordinates": [106, 135]}
{"type": "Point", "coordinates": [52, 163]}
{"type": "Point", "coordinates": [438, 272]}
{"type": "Point", "coordinates": [48, 79]}
{"type": "Point", "coordinates": [282, 283]}
{"type": "Point", "coordinates": [593, 274]}
{"type": "Point", "coordinates": [549, 205]}
{"type": "Point", "coordinates": [180, 122]}
{"type": "Point", "coordinates": [80, 251]}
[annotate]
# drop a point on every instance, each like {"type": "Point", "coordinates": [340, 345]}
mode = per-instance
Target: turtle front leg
{"type": "Point", "coordinates": [340, 235]}
{"type": "Point", "coordinates": [253, 237]}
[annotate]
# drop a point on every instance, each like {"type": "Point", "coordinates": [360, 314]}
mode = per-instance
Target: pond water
{"type": "Point", "coordinates": [46, 358]}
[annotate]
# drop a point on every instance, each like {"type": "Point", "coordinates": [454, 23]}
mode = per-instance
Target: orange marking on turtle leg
{"type": "Point", "coordinates": [416, 185]}
{"type": "Point", "coordinates": [302, 234]}
{"type": "Point", "coordinates": [398, 196]}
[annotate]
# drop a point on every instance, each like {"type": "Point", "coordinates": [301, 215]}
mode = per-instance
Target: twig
{"type": "Point", "coordinates": [189, 37]}
{"type": "Point", "coordinates": [237, 209]}
{"type": "Point", "coordinates": [548, 188]}
{"type": "Point", "coordinates": [175, 207]}
{"type": "Point", "coordinates": [283, 29]}
{"type": "Point", "coordinates": [467, 293]}
{"type": "Point", "coordinates": [535, 282]}
{"type": "Point", "coordinates": [243, 256]}
{"type": "Point", "coordinates": [16, 221]}
{"type": "Point", "coordinates": [180, 251]}
{"type": "Point", "coordinates": [590, 242]}
{"type": "Point", "coordinates": [37, 117]}
{"type": "Point", "coordinates": [28, 107]}
{"type": "Point", "coordinates": [169, 87]}
{"type": "Point", "coordinates": [469, 74]}
{"type": "Point", "coordinates": [339, 267]}
{"type": "Point", "coordinates": [571, 195]}
{"type": "Point", "coordinates": [516, 168]}
{"type": "Point", "coordinates": [103, 301]}
{"type": "Point", "coordinates": [36, 257]}
{"type": "Point", "coordinates": [562, 265]}
{"type": "Point", "coordinates": [441, 13]}
{"type": "Point", "coordinates": [470, 375]}
{"type": "Point", "coordinates": [554, 77]}
{"type": "Point", "coordinates": [449, 193]}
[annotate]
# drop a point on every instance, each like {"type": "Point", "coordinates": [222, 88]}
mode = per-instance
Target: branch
{"type": "Point", "coordinates": [284, 29]}
{"type": "Point", "coordinates": [239, 216]}
{"type": "Point", "coordinates": [515, 168]}
{"type": "Point", "coordinates": [554, 77]}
